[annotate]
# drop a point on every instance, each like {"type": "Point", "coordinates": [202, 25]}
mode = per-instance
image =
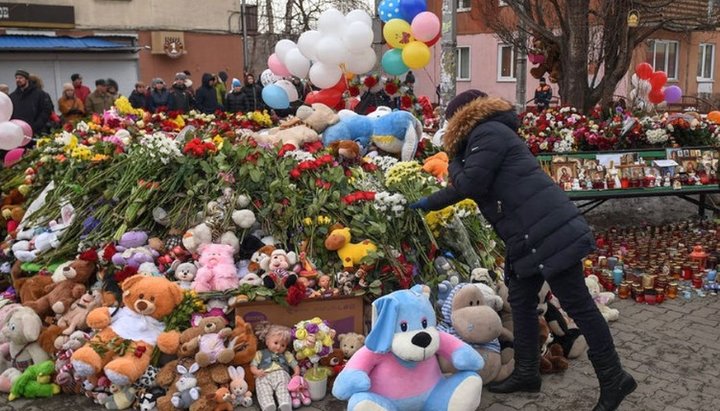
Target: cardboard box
{"type": "Point", "coordinates": [345, 314]}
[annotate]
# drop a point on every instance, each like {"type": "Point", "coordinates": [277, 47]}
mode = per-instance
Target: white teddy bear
{"type": "Point", "coordinates": [602, 298]}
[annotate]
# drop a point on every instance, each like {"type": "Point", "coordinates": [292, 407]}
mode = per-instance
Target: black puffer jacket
{"type": "Point", "coordinates": [206, 96]}
{"type": "Point", "coordinates": [252, 99]}
{"type": "Point", "coordinates": [33, 106]}
{"type": "Point", "coordinates": [544, 232]}
{"type": "Point", "coordinates": [235, 101]}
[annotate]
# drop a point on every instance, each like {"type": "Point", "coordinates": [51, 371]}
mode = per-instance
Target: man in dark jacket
{"type": "Point", "coordinates": [543, 95]}
{"type": "Point", "coordinates": [235, 100]}
{"type": "Point", "coordinates": [138, 97]}
{"type": "Point", "coordinates": [159, 96]}
{"type": "Point", "coordinates": [180, 99]}
{"type": "Point", "coordinates": [30, 103]}
{"type": "Point", "coordinates": [545, 236]}
{"type": "Point", "coordinates": [253, 95]}
{"type": "Point", "coordinates": [206, 96]}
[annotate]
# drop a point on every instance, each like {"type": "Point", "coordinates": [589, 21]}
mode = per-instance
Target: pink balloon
{"type": "Point", "coordinates": [425, 26]}
{"type": "Point", "coordinates": [27, 130]}
{"type": "Point", "coordinates": [13, 156]}
{"type": "Point", "coordinates": [276, 66]}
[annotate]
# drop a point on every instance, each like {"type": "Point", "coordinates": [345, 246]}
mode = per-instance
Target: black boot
{"type": "Point", "coordinates": [615, 383]}
{"type": "Point", "coordinates": [524, 378]}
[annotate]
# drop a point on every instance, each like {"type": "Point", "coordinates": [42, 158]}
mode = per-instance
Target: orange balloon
{"type": "Point", "coordinates": [714, 116]}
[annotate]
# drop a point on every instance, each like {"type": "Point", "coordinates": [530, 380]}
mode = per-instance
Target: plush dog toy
{"type": "Point", "coordinates": [397, 368]}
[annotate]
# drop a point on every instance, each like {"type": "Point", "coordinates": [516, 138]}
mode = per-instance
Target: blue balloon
{"type": "Point", "coordinates": [275, 97]}
{"type": "Point", "coordinates": [392, 62]}
{"type": "Point", "coordinates": [388, 10]}
{"type": "Point", "coordinates": [411, 8]}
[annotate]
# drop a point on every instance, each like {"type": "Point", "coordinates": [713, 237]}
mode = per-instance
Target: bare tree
{"type": "Point", "coordinates": [593, 33]}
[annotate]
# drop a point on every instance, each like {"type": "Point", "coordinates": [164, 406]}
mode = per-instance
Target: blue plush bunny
{"type": "Point", "coordinates": [397, 368]}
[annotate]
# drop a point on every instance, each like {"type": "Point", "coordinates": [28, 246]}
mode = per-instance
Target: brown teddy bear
{"type": "Point", "coordinates": [28, 288]}
{"type": "Point", "coordinates": [59, 296]}
{"type": "Point", "coordinates": [210, 343]}
{"type": "Point", "coordinates": [305, 128]}
{"type": "Point", "coordinates": [552, 360]}
{"type": "Point", "coordinates": [134, 330]}
{"type": "Point", "coordinates": [550, 51]}
{"type": "Point", "coordinates": [335, 362]}
{"type": "Point", "coordinates": [12, 211]}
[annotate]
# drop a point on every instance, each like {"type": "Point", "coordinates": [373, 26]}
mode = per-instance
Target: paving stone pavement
{"type": "Point", "coordinates": [672, 349]}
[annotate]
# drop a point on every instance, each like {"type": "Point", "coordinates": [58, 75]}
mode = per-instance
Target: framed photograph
{"type": "Point", "coordinates": [564, 171]}
{"type": "Point", "coordinates": [689, 164]}
{"type": "Point", "coordinates": [597, 174]}
{"type": "Point", "coordinates": [628, 158]}
{"type": "Point", "coordinates": [590, 164]}
{"type": "Point", "coordinates": [632, 171]}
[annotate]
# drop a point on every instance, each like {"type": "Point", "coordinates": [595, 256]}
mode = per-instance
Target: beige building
{"type": "Point", "coordinates": [127, 40]}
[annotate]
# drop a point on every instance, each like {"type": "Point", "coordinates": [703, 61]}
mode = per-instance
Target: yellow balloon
{"type": "Point", "coordinates": [416, 55]}
{"type": "Point", "coordinates": [397, 33]}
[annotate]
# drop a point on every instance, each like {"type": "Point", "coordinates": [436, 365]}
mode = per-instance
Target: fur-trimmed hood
{"type": "Point", "coordinates": [469, 116]}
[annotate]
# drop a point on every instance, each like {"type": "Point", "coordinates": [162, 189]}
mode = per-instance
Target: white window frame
{"type": "Point", "coordinates": [460, 7]}
{"type": "Point", "coordinates": [701, 62]}
{"type": "Point", "coordinates": [500, 77]}
{"type": "Point", "coordinates": [666, 43]}
{"type": "Point", "coordinates": [457, 74]}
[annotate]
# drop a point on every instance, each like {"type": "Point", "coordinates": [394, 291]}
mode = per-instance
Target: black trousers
{"type": "Point", "coordinates": [569, 287]}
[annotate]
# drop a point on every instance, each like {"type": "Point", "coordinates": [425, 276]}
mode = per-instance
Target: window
{"type": "Point", "coordinates": [506, 63]}
{"type": "Point", "coordinates": [706, 62]}
{"type": "Point", "coordinates": [463, 63]}
{"type": "Point", "coordinates": [462, 5]}
{"type": "Point", "coordinates": [664, 56]}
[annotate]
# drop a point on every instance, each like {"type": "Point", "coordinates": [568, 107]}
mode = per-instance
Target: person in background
{"type": "Point", "coordinates": [99, 100]}
{"type": "Point", "coordinates": [220, 87]}
{"type": "Point", "coordinates": [234, 102]}
{"type": "Point", "coordinates": [4, 88]}
{"type": "Point", "coordinates": [545, 234]}
{"type": "Point", "coordinates": [253, 95]}
{"type": "Point", "coordinates": [81, 91]}
{"type": "Point", "coordinates": [180, 98]}
{"type": "Point", "coordinates": [159, 98]}
{"type": "Point", "coordinates": [138, 97]}
{"type": "Point", "coordinates": [543, 95]}
{"type": "Point", "coordinates": [30, 103]}
{"type": "Point", "coordinates": [206, 97]}
{"type": "Point", "coordinates": [188, 82]}
{"type": "Point", "coordinates": [113, 89]}
{"type": "Point", "coordinates": [71, 108]}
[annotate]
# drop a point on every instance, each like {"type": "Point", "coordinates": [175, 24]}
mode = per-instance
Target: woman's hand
{"type": "Point", "coordinates": [422, 204]}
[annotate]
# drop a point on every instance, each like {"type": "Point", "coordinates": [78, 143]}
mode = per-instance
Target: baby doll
{"type": "Point", "coordinates": [271, 368]}
{"type": "Point", "coordinates": [324, 290]}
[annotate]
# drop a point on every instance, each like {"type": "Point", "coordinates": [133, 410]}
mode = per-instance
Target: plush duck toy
{"type": "Point", "coordinates": [397, 368]}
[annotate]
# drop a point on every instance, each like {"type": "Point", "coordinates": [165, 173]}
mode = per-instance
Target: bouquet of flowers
{"type": "Point", "coordinates": [312, 340]}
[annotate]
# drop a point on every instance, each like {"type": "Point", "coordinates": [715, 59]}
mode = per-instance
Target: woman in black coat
{"type": "Point", "coordinates": [545, 236]}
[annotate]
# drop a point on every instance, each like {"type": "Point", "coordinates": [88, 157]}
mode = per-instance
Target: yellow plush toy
{"type": "Point", "coordinates": [351, 254]}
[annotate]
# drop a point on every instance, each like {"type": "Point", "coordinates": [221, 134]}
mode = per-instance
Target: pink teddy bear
{"type": "Point", "coordinates": [217, 269]}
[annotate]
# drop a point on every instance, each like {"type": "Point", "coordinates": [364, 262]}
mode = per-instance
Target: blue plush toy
{"type": "Point", "coordinates": [395, 132]}
{"type": "Point", "coordinates": [397, 368]}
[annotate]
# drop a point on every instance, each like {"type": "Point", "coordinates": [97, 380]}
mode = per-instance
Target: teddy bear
{"type": "Point", "coordinates": [552, 360]}
{"type": "Point", "coordinates": [310, 121]}
{"type": "Point", "coordinates": [210, 343]}
{"type": "Point", "coordinates": [437, 165]}
{"type": "Point", "coordinates": [64, 373]}
{"type": "Point", "coordinates": [335, 362]}
{"type": "Point", "coordinates": [12, 211]}
{"type": "Point", "coordinates": [21, 331]}
{"type": "Point", "coordinates": [217, 269]}
{"type": "Point", "coordinates": [601, 298]}
{"type": "Point", "coordinates": [195, 237]}
{"type": "Point", "coordinates": [350, 343]}
{"type": "Point", "coordinates": [75, 317]}
{"type": "Point", "coordinates": [569, 337]}
{"type": "Point", "coordinates": [59, 296]}
{"type": "Point", "coordinates": [184, 274]}
{"type": "Point", "coordinates": [465, 315]}
{"type": "Point", "coordinates": [133, 250]}
{"type": "Point", "coordinates": [135, 330]}
{"type": "Point", "coordinates": [278, 268]}
{"type": "Point", "coordinates": [547, 55]}
{"type": "Point", "coordinates": [345, 149]}
{"type": "Point", "coordinates": [399, 350]}
{"type": "Point", "coordinates": [28, 288]}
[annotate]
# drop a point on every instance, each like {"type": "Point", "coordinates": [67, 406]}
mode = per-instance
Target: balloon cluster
{"type": "Point", "coordinates": [13, 133]}
{"type": "Point", "coordinates": [342, 45]}
{"type": "Point", "coordinates": [410, 30]}
{"type": "Point", "coordinates": [312, 339]}
{"type": "Point", "coordinates": [650, 86]}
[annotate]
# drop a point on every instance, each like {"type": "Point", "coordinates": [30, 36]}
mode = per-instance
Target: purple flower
{"type": "Point", "coordinates": [312, 328]}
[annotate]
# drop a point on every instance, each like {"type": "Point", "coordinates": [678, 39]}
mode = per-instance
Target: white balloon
{"type": "Point", "coordinates": [268, 77]}
{"type": "Point", "coordinates": [331, 21]}
{"type": "Point", "coordinates": [330, 50]}
{"type": "Point", "coordinates": [644, 88]}
{"type": "Point", "coordinates": [357, 36]}
{"type": "Point", "coordinates": [359, 15]}
{"type": "Point", "coordinates": [307, 42]}
{"type": "Point", "coordinates": [633, 94]}
{"type": "Point", "coordinates": [325, 75]}
{"type": "Point", "coordinates": [11, 135]}
{"type": "Point", "coordinates": [283, 47]}
{"type": "Point", "coordinates": [360, 62]}
{"type": "Point", "coordinates": [634, 79]}
{"type": "Point", "coordinates": [297, 64]}
{"type": "Point", "coordinates": [289, 89]}
{"type": "Point", "coordinates": [6, 107]}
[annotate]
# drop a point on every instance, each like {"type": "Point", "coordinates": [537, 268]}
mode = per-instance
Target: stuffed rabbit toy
{"type": "Point", "coordinates": [188, 391]}
{"type": "Point", "coordinates": [242, 397]}
{"type": "Point", "coordinates": [299, 391]}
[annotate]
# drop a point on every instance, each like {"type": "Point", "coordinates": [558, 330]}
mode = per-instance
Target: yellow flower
{"type": "Point", "coordinates": [43, 141]}
{"type": "Point", "coordinates": [81, 153]}
{"type": "Point", "coordinates": [316, 320]}
{"type": "Point", "coordinates": [99, 157]}
{"type": "Point", "coordinates": [123, 106]}
{"type": "Point", "coordinates": [180, 121]}
{"type": "Point", "coordinates": [218, 141]}
{"type": "Point", "coordinates": [308, 221]}
{"type": "Point", "coordinates": [300, 334]}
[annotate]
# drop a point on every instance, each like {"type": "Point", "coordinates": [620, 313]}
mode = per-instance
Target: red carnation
{"type": "Point", "coordinates": [125, 273]}
{"type": "Point", "coordinates": [295, 294]}
{"type": "Point", "coordinates": [109, 252]}
{"type": "Point", "coordinates": [391, 88]}
{"type": "Point", "coordinates": [405, 102]}
{"type": "Point", "coordinates": [370, 81]}
{"type": "Point", "coordinates": [89, 255]}
{"type": "Point", "coordinates": [295, 173]}
{"type": "Point", "coordinates": [354, 91]}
